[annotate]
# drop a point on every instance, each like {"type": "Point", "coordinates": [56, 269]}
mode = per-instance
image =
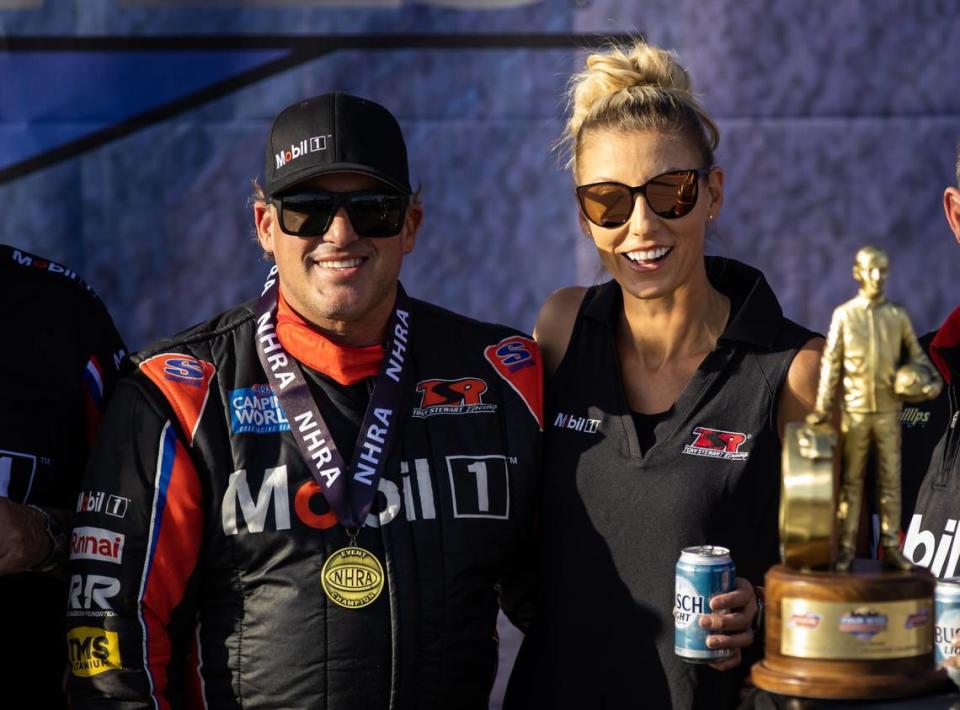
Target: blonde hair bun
{"type": "Point", "coordinates": [639, 86]}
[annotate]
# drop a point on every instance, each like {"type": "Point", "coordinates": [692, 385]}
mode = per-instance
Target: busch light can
{"type": "Point", "coordinates": [947, 613]}
{"type": "Point", "coordinates": [702, 573]}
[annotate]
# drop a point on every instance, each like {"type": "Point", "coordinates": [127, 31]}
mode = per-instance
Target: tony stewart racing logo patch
{"type": "Point", "coordinates": [717, 444]}
{"type": "Point", "coordinates": [462, 396]}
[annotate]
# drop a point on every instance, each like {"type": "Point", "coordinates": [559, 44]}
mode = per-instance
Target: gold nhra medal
{"type": "Point", "coordinates": [352, 577]}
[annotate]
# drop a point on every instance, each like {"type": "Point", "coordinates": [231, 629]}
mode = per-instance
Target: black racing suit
{"type": "Point", "coordinates": [60, 355]}
{"type": "Point", "coordinates": [218, 553]}
{"type": "Point", "coordinates": [932, 531]}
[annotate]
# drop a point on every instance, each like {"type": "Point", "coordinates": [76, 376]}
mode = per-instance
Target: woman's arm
{"type": "Point", "coordinates": [799, 395]}
{"type": "Point", "coordinates": [555, 325]}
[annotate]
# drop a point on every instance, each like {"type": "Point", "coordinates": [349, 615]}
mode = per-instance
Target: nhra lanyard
{"type": "Point", "coordinates": [350, 492]}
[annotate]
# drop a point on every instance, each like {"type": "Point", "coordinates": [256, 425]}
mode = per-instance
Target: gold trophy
{"type": "Point", "coordinates": [836, 627]}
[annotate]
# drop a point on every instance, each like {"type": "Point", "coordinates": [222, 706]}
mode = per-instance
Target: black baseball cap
{"type": "Point", "coordinates": [335, 133]}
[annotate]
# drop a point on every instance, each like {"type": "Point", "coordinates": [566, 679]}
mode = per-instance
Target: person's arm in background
{"type": "Point", "coordinates": [35, 538]}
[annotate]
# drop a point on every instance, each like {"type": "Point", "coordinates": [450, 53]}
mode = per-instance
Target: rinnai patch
{"type": "Point", "coordinates": [89, 543]}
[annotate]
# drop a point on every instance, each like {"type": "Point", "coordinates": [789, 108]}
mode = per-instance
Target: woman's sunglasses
{"type": "Point", "coordinates": [670, 195]}
{"type": "Point", "coordinates": [309, 213]}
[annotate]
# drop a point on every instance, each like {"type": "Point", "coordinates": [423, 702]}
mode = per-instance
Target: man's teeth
{"type": "Point", "coordinates": [648, 254]}
{"type": "Point", "coordinates": [340, 264]}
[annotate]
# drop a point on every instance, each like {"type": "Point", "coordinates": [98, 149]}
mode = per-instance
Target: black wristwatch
{"type": "Point", "coordinates": [58, 540]}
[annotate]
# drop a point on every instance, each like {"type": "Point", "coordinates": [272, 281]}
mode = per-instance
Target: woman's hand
{"type": "Point", "coordinates": [734, 625]}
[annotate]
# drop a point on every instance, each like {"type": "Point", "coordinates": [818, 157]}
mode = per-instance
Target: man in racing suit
{"type": "Point", "coordinates": [329, 486]}
{"type": "Point", "coordinates": [931, 532]}
{"type": "Point", "coordinates": [61, 353]}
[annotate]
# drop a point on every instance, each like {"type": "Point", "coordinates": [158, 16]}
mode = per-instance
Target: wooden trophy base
{"type": "Point", "coordinates": [864, 634]}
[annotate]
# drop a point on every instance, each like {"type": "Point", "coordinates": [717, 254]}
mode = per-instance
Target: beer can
{"type": "Point", "coordinates": [702, 573]}
{"type": "Point", "coordinates": [947, 613]}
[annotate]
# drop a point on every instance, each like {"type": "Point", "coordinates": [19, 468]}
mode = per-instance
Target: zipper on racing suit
{"type": "Point", "coordinates": [948, 460]}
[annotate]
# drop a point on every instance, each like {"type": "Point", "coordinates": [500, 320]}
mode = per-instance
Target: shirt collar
{"type": "Point", "coordinates": [865, 302]}
{"type": "Point", "coordinates": [755, 313]}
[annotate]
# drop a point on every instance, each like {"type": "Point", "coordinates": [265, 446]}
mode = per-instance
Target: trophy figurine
{"type": "Point", "coordinates": [836, 629]}
{"type": "Point", "coordinates": [867, 337]}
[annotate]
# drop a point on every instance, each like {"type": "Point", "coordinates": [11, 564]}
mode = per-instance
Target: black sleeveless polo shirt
{"type": "Point", "coordinates": [615, 520]}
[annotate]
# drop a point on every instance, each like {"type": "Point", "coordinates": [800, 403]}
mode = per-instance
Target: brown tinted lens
{"type": "Point", "coordinates": [606, 204]}
{"type": "Point", "coordinates": [673, 194]}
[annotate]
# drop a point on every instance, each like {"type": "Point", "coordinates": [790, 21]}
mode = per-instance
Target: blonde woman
{"type": "Point", "coordinates": [668, 390]}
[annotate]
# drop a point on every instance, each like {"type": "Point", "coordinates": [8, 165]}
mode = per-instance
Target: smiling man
{"type": "Point", "coordinates": [329, 486]}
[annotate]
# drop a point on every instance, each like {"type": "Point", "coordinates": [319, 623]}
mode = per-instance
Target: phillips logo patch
{"type": "Point", "coordinates": [517, 360]}
{"type": "Point", "coordinates": [717, 444]}
{"type": "Point", "coordinates": [463, 396]}
{"type": "Point", "coordinates": [914, 418]}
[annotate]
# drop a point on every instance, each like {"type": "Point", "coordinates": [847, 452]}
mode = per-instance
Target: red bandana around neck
{"type": "Point", "coordinates": [345, 365]}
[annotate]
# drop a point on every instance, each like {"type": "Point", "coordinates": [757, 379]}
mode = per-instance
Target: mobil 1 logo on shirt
{"type": "Point", "coordinates": [480, 486]}
{"type": "Point", "coordinates": [17, 471]}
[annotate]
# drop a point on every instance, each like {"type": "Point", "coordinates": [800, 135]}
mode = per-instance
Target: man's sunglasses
{"type": "Point", "coordinates": [670, 195]}
{"type": "Point", "coordinates": [309, 213]}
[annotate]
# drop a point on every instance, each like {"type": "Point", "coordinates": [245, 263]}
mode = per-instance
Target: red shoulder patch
{"type": "Point", "coordinates": [517, 360]}
{"type": "Point", "coordinates": [185, 382]}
